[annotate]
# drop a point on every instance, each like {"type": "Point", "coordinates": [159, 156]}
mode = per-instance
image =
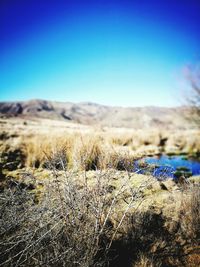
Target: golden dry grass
{"type": "Point", "coordinates": [145, 262]}
{"type": "Point", "coordinates": [87, 147]}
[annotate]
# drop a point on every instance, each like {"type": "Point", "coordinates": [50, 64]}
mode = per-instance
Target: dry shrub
{"type": "Point", "coordinates": [74, 223]}
{"type": "Point", "coordinates": [190, 213]}
{"type": "Point", "coordinates": [141, 232]}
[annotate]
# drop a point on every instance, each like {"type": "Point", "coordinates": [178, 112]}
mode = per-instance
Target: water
{"type": "Point", "coordinates": [167, 166]}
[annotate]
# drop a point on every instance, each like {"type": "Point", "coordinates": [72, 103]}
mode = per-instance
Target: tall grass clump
{"type": "Point", "coordinates": [87, 153]}
{"type": "Point", "coordinates": [78, 151]}
{"type": "Point", "coordinates": [40, 148]}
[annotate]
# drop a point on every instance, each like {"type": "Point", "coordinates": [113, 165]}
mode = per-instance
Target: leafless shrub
{"type": "Point", "coordinates": [74, 223]}
{"type": "Point", "coordinates": [190, 213]}
{"type": "Point", "coordinates": [193, 98]}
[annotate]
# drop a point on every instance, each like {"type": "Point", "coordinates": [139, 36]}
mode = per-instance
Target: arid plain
{"type": "Point", "coordinates": [72, 166]}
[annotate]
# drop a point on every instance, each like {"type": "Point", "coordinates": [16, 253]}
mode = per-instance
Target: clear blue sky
{"type": "Point", "coordinates": [127, 53]}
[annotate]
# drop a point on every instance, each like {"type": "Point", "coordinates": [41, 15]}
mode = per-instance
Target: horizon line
{"type": "Point", "coordinates": [91, 102]}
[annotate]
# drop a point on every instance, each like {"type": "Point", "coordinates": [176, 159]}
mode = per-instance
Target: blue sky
{"type": "Point", "coordinates": [127, 53]}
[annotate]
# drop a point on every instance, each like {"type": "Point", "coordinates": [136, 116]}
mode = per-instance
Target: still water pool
{"type": "Point", "coordinates": [169, 166]}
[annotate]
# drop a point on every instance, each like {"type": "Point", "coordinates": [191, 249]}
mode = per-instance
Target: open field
{"type": "Point", "coordinates": [69, 196]}
{"type": "Point", "coordinates": [39, 138]}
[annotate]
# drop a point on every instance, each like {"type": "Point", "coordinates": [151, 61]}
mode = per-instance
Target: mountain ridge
{"type": "Point", "coordinates": [96, 114]}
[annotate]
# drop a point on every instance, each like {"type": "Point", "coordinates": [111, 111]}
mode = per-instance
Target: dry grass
{"type": "Point", "coordinates": [190, 212]}
{"type": "Point", "coordinates": [89, 148]}
{"type": "Point", "coordinates": [86, 146]}
{"type": "Point", "coordinates": [144, 261]}
{"type": "Point", "coordinates": [79, 151]}
{"type": "Point", "coordinates": [38, 149]}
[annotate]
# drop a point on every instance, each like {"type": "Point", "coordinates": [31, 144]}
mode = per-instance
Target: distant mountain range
{"type": "Point", "coordinates": [95, 114]}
